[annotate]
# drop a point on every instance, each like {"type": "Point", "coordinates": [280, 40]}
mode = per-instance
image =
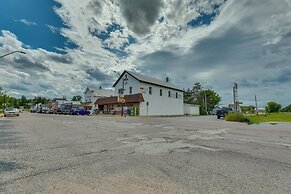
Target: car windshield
{"type": "Point", "coordinates": [10, 109]}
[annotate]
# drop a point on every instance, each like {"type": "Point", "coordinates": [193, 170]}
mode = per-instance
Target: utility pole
{"type": "Point", "coordinates": [257, 111]}
{"type": "Point", "coordinates": [235, 97]}
{"type": "Point", "coordinates": [206, 108]}
{"type": "Point", "coordinates": [4, 100]}
{"type": "Point", "coordinates": [122, 92]}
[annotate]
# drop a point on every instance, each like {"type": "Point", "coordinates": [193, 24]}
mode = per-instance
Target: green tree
{"type": "Point", "coordinates": [273, 107]}
{"type": "Point", "coordinates": [212, 98]}
{"type": "Point", "coordinates": [77, 98]}
{"type": "Point", "coordinates": [287, 108]}
{"type": "Point", "coordinates": [197, 95]}
{"type": "Point", "coordinates": [188, 97]}
{"type": "Point", "coordinates": [248, 109]}
{"type": "Point", "coordinates": [39, 99]}
{"type": "Point", "coordinates": [23, 101]}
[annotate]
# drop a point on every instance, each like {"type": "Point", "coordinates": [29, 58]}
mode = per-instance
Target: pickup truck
{"type": "Point", "coordinates": [223, 112]}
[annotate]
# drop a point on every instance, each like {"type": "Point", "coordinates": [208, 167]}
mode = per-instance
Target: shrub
{"type": "Point", "coordinates": [273, 107]}
{"type": "Point", "coordinates": [237, 117]}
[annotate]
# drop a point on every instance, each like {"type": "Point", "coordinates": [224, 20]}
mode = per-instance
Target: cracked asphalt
{"type": "Point", "coordinates": [99, 154]}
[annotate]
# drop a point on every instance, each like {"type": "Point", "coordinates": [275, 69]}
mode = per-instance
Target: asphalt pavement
{"type": "Point", "coordinates": [103, 154]}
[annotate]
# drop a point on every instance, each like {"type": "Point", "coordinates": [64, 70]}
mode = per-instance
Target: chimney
{"type": "Point", "coordinates": [167, 79]}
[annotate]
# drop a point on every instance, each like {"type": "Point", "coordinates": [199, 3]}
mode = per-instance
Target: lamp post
{"type": "Point", "coordinates": [4, 100]}
{"type": "Point", "coordinates": [13, 53]}
{"type": "Point", "coordinates": [122, 92]}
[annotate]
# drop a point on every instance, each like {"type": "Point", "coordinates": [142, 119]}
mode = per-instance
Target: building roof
{"type": "Point", "coordinates": [150, 80]}
{"type": "Point", "coordinates": [133, 98]}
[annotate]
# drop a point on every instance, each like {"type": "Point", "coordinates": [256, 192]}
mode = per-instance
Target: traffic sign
{"type": "Point", "coordinates": [122, 100]}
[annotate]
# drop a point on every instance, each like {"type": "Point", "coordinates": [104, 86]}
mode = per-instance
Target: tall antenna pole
{"type": "Point", "coordinates": [257, 111]}
{"type": "Point", "coordinates": [235, 97]}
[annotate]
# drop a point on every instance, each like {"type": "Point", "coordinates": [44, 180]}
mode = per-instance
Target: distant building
{"type": "Point", "coordinates": [56, 102]}
{"type": "Point", "coordinates": [91, 95]}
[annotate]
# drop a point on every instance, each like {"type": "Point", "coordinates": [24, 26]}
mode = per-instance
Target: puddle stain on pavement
{"type": "Point", "coordinates": [178, 141]}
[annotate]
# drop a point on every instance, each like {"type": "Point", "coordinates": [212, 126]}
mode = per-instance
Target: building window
{"type": "Point", "coordinates": [130, 90]}
{"type": "Point", "coordinates": [120, 91]}
{"type": "Point", "coordinates": [161, 92]}
{"type": "Point", "coordinates": [169, 94]}
{"type": "Point", "coordinates": [176, 94]}
{"type": "Point", "coordinates": [150, 90]}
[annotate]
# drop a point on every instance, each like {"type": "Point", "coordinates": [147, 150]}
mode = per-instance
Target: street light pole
{"type": "Point", "coordinates": [4, 100]}
{"type": "Point", "coordinates": [13, 53]}
{"type": "Point", "coordinates": [123, 80]}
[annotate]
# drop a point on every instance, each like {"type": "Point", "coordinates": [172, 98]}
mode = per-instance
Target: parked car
{"type": "Point", "coordinates": [11, 112]}
{"type": "Point", "coordinates": [42, 110]}
{"type": "Point", "coordinates": [79, 112]}
{"type": "Point", "coordinates": [214, 111]}
{"type": "Point", "coordinates": [74, 111]}
{"type": "Point", "coordinates": [52, 111]}
{"type": "Point", "coordinates": [33, 110]}
{"type": "Point", "coordinates": [83, 112]}
{"type": "Point", "coordinates": [223, 112]}
{"type": "Point", "coordinates": [65, 108]}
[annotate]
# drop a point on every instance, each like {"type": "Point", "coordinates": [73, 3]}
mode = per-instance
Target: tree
{"type": "Point", "coordinates": [287, 108]}
{"type": "Point", "coordinates": [197, 95]}
{"type": "Point", "coordinates": [273, 107]}
{"type": "Point", "coordinates": [77, 98]}
{"type": "Point", "coordinates": [188, 97]}
{"type": "Point", "coordinates": [248, 109]}
{"type": "Point", "coordinates": [39, 99]}
{"type": "Point", "coordinates": [212, 98]}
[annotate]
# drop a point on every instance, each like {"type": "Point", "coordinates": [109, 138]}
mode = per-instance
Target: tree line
{"type": "Point", "coordinates": [23, 101]}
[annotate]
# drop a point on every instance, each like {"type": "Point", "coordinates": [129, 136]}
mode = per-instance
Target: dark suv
{"type": "Point", "coordinates": [223, 112]}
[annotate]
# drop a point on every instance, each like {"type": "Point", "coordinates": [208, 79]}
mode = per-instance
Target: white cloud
{"type": "Point", "coordinates": [27, 22]}
{"type": "Point", "coordinates": [53, 29]}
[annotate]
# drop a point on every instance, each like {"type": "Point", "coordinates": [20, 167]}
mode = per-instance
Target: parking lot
{"type": "Point", "coordinates": [104, 154]}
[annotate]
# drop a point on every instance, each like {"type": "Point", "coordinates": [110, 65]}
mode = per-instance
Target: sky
{"type": "Point", "coordinates": [73, 44]}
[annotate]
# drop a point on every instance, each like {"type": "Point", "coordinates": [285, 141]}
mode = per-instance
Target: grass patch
{"type": "Point", "coordinates": [236, 117]}
{"type": "Point", "coordinates": [270, 117]}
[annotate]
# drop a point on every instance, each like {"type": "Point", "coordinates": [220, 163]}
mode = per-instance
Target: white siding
{"type": "Point", "coordinates": [158, 105]}
{"type": "Point", "coordinates": [161, 105]}
{"type": "Point", "coordinates": [93, 95]}
{"type": "Point", "coordinates": [191, 109]}
{"type": "Point", "coordinates": [131, 82]}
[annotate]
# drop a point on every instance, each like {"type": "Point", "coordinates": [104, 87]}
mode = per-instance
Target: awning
{"type": "Point", "coordinates": [133, 98]}
{"type": "Point", "coordinates": [88, 104]}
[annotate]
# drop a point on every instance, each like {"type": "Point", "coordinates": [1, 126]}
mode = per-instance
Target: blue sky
{"type": "Point", "coordinates": [42, 14]}
{"type": "Point", "coordinates": [72, 44]}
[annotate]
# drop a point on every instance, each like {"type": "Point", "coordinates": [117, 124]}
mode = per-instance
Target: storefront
{"type": "Point", "coordinates": [113, 106]}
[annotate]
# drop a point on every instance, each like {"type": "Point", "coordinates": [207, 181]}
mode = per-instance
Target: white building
{"type": "Point", "coordinates": [91, 95]}
{"type": "Point", "coordinates": [152, 97]}
{"type": "Point", "coordinates": [191, 109]}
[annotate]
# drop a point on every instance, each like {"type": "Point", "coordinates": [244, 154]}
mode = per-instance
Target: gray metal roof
{"type": "Point", "coordinates": [147, 79]}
